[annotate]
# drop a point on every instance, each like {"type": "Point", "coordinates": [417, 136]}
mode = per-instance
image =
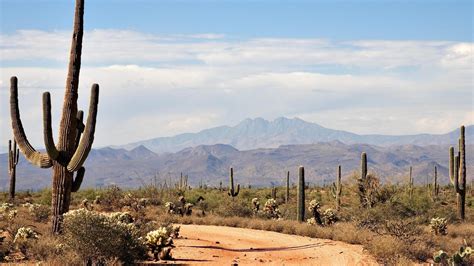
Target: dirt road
{"type": "Point", "coordinates": [218, 245]}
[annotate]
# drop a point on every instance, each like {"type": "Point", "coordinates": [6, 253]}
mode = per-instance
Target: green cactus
{"type": "Point", "coordinates": [182, 185]}
{"type": "Point", "coordinates": [72, 149]}
{"type": "Point", "coordinates": [232, 192]}
{"type": "Point", "coordinates": [460, 176]}
{"type": "Point", "coordinates": [287, 195]}
{"type": "Point", "coordinates": [410, 182]}
{"type": "Point", "coordinates": [13, 156]}
{"type": "Point", "coordinates": [300, 196]}
{"type": "Point", "coordinates": [274, 192]}
{"type": "Point", "coordinates": [435, 183]}
{"type": "Point", "coordinates": [336, 189]}
{"type": "Point", "coordinates": [451, 165]}
{"type": "Point", "coordinates": [362, 179]}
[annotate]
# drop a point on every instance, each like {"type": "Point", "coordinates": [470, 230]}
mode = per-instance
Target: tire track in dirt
{"type": "Point", "coordinates": [220, 245]}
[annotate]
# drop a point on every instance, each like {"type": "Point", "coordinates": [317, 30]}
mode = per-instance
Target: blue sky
{"type": "Point", "coordinates": [169, 67]}
{"type": "Point", "coordinates": [338, 20]}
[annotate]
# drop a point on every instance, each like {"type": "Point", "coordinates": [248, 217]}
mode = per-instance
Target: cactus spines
{"type": "Point", "coordinates": [13, 156]}
{"type": "Point", "coordinates": [300, 196]}
{"type": "Point", "coordinates": [69, 154]}
{"type": "Point", "coordinates": [287, 195]}
{"type": "Point", "coordinates": [460, 176]}
{"type": "Point", "coordinates": [336, 188]}
{"type": "Point", "coordinates": [232, 192]}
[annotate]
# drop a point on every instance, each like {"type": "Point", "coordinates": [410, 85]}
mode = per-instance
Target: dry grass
{"type": "Point", "coordinates": [221, 210]}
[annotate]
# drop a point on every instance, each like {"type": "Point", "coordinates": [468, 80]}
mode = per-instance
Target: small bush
{"type": "Point", "coordinates": [98, 238]}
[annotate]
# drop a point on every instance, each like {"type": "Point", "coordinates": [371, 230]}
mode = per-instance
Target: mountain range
{"type": "Point", "coordinates": [258, 167]}
{"type": "Point", "coordinates": [261, 133]}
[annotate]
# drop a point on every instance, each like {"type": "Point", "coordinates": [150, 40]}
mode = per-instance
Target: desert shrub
{"type": "Point", "coordinates": [98, 238]}
{"type": "Point", "coordinates": [439, 226]}
{"type": "Point", "coordinates": [233, 208]}
{"type": "Point", "coordinates": [110, 198]}
{"type": "Point", "coordinates": [40, 213]}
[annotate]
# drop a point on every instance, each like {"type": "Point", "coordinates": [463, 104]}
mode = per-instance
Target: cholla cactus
{"type": "Point", "coordinates": [311, 221]}
{"type": "Point", "coordinates": [187, 209]}
{"type": "Point", "coordinates": [329, 217]}
{"type": "Point", "coordinates": [314, 209]}
{"type": "Point", "coordinates": [271, 209]}
{"type": "Point", "coordinates": [5, 207]}
{"type": "Point", "coordinates": [458, 258]}
{"type": "Point", "coordinates": [160, 243]}
{"type": "Point", "coordinates": [256, 205]}
{"type": "Point", "coordinates": [86, 205]}
{"type": "Point", "coordinates": [122, 217]}
{"type": "Point", "coordinates": [439, 226]}
{"type": "Point", "coordinates": [170, 207]}
{"type": "Point", "coordinates": [25, 233]}
{"type": "Point", "coordinates": [12, 214]}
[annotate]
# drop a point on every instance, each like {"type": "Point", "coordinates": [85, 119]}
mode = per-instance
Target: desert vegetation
{"type": "Point", "coordinates": [395, 223]}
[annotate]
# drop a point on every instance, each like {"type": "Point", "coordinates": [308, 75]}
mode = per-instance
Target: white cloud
{"type": "Point", "coordinates": [162, 85]}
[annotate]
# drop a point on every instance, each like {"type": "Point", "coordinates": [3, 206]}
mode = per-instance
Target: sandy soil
{"type": "Point", "coordinates": [218, 245]}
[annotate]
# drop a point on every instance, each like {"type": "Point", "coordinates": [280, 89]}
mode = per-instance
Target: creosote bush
{"type": "Point", "coordinates": [98, 238]}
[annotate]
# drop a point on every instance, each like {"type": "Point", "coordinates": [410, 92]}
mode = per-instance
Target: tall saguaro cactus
{"type": "Point", "coordinates": [410, 182]}
{"type": "Point", "coordinates": [300, 196]}
{"type": "Point", "coordinates": [435, 183]}
{"type": "Point", "coordinates": [287, 195]}
{"type": "Point", "coordinates": [232, 192]}
{"type": "Point", "coordinates": [13, 156]}
{"type": "Point", "coordinates": [362, 179]}
{"type": "Point", "coordinates": [336, 189]}
{"type": "Point", "coordinates": [460, 175]}
{"type": "Point", "coordinates": [69, 154]}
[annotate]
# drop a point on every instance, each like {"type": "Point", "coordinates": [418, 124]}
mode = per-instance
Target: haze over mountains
{"type": "Point", "coordinates": [261, 133]}
{"type": "Point", "coordinates": [298, 142]}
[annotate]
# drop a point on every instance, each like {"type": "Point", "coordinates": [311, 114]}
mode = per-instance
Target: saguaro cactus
{"type": "Point", "coordinates": [13, 156]}
{"type": "Point", "coordinates": [451, 164]}
{"type": "Point", "coordinates": [460, 176]}
{"type": "Point", "coordinates": [274, 192]}
{"type": "Point", "coordinates": [71, 150]}
{"type": "Point", "coordinates": [435, 183]}
{"type": "Point", "coordinates": [300, 196]}
{"type": "Point", "coordinates": [336, 188]}
{"type": "Point", "coordinates": [287, 195]}
{"type": "Point", "coordinates": [410, 182]}
{"type": "Point", "coordinates": [362, 179]}
{"type": "Point", "coordinates": [233, 193]}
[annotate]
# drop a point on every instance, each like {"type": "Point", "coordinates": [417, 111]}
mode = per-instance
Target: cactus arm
{"type": "Point", "coordinates": [76, 184]}
{"type": "Point", "coordinates": [451, 164]}
{"type": "Point", "coordinates": [80, 127]}
{"type": "Point", "coordinates": [85, 143]}
{"type": "Point", "coordinates": [456, 174]}
{"type": "Point", "coordinates": [53, 153]}
{"type": "Point", "coordinates": [10, 157]}
{"type": "Point", "coordinates": [36, 158]}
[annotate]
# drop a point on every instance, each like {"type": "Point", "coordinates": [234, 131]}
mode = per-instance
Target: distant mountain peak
{"type": "Point", "coordinates": [253, 133]}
